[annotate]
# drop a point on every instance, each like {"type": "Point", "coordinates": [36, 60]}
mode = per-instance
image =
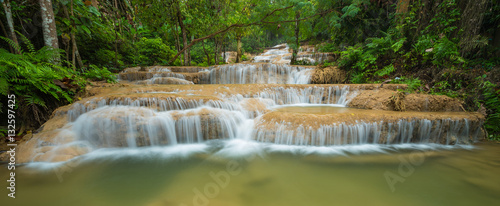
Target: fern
{"type": "Point", "coordinates": [29, 45]}
{"type": "Point", "coordinates": [29, 73]}
{"type": "Point", "coordinates": [385, 71]}
{"type": "Point", "coordinates": [34, 100]}
{"type": "Point", "coordinates": [11, 43]}
{"type": "Point", "coordinates": [96, 73]}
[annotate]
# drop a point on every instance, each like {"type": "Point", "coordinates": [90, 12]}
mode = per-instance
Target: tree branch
{"type": "Point", "coordinates": [260, 22]}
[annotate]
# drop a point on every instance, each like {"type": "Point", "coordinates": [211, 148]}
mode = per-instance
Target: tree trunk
{"type": "Point", "coordinates": [177, 41]}
{"type": "Point", "coordinates": [206, 53]}
{"type": "Point", "coordinates": [238, 48]}
{"type": "Point", "coordinates": [49, 27]}
{"type": "Point", "coordinates": [470, 24]}
{"type": "Point", "coordinates": [216, 51]}
{"type": "Point", "coordinates": [75, 55]}
{"type": "Point", "coordinates": [10, 23]}
{"type": "Point", "coordinates": [224, 50]}
{"type": "Point", "coordinates": [297, 45]}
{"type": "Point", "coordinates": [7, 35]}
{"type": "Point", "coordinates": [184, 35]}
{"type": "Point", "coordinates": [189, 51]}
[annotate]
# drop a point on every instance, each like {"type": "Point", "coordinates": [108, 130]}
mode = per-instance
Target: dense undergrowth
{"type": "Point", "coordinates": [434, 55]}
{"type": "Point", "coordinates": [39, 84]}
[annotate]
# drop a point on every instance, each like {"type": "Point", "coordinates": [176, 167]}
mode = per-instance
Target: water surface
{"type": "Point", "coordinates": [240, 172]}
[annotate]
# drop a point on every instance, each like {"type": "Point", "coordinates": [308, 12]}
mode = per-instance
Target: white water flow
{"type": "Point", "coordinates": [271, 67]}
{"type": "Point", "coordinates": [242, 121]}
{"type": "Point", "coordinates": [253, 120]}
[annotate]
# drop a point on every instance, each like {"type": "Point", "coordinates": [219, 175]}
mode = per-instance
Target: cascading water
{"type": "Point", "coordinates": [271, 67]}
{"type": "Point", "coordinates": [259, 74]}
{"type": "Point", "coordinates": [247, 111]}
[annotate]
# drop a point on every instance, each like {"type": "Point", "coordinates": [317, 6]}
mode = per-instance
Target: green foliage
{"type": "Point", "coordinates": [244, 57]}
{"type": "Point", "coordinates": [359, 78]}
{"type": "Point", "coordinates": [440, 51]}
{"type": "Point", "coordinates": [328, 47]}
{"type": "Point", "coordinates": [491, 101]}
{"type": "Point", "coordinates": [3, 132]}
{"type": "Point", "coordinates": [444, 50]}
{"type": "Point", "coordinates": [374, 58]}
{"type": "Point", "coordinates": [153, 51]}
{"type": "Point", "coordinates": [414, 84]}
{"type": "Point", "coordinates": [97, 74]}
{"type": "Point", "coordinates": [107, 57]}
{"type": "Point", "coordinates": [36, 81]}
{"type": "Point", "coordinates": [385, 71]}
{"type": "Point", "coordinates": [32, 74]}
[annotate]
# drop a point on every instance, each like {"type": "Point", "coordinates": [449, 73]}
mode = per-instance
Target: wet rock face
{"type": "Point", "coordinates": [340, 126]}
{"type": "Point", "coordinates": [383, 99]}
{"type": "Point", "coordinates": [126, 126]}
{"type": "Point", "coordinates": [328, 75]}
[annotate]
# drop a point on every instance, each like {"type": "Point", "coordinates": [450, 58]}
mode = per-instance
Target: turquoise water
{"type": "Point", "coordinates": [236, 173]}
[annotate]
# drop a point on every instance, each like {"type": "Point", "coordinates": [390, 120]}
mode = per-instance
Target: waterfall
{"type": "Point", "coordinates": [259, 74]}
{"type": "Point", "coordinates": [445, 131]}
{"type": "Point", "coordinates": [268, 104]}
{"type": "Point", "coordinates": [125, 126]}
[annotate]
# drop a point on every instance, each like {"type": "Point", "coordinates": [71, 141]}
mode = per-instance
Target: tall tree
{"type": "Point", "coordinates": [74, 50]}
{"type": "Point", "coordinates": [297, 45]}
{"type": "Point", "coordinates": [184, 35]}
{"type": "Point", "coordinates": [238, 47]}
{"type": "Point", "coordinates": [49, 26]}
{"type": "Point", "coordinates": [10, 21]}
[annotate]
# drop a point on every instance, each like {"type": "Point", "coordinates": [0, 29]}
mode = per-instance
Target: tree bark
{"type": "Point", "coordinates": [6, 35]}
{"type": "Point", "coordinates": [224, 50]}
{"type": "Point", "coordinates": [10, 23]}
{"type": "Point", "coordinates": [49, 27]}
{"type": "Point", "coordinates": [297, 45]}
{"type": "Point", "coordinates": [206, 53]}
{"type": "Point", "coordinates": [184, 35]}
{"type": "Point", "coordinates": [238, 48]}
{"type": "Point", "coordinates": [76, 52]}
{"type": "Point", "coordinates": [470, 24]}
{"type": "Point", "coordinates": [75, 55]}
{"type": "Point", "coordinates": [216, 51]}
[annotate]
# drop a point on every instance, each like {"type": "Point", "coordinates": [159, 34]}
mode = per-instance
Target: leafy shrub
{"type": "Point", "coordinates": [491, 101]}
{"type": "Point", "coordinates": [367, 58]}
{"type": "Point", "coordinates": [32, 73]}
{"type": "Point", "coordinates": [35, 80]}
{"type": "Point", "coordinates": [107, 57]}
{"type": "Point", "coordinates": [385, 71]}
{"type": "Point", "coordinates": [244, 57]}
{"type": "Point", "coordinates": [329, 47]}
{"type": "Point", "coordinates": [413, 83]}
{"type": "Point", "coordinates": [153, 51]}
{"type": "Point", "coordinates": [441, 51]}
{"type": "Point", "coordinates": [95, 73]}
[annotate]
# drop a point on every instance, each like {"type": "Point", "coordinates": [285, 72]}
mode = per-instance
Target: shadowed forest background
{"type": "Point", "coordinates": [51, 49]}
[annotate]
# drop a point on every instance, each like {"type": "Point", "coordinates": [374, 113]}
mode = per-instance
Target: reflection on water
{"type": "Point", "coordinates": [213, 174]}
